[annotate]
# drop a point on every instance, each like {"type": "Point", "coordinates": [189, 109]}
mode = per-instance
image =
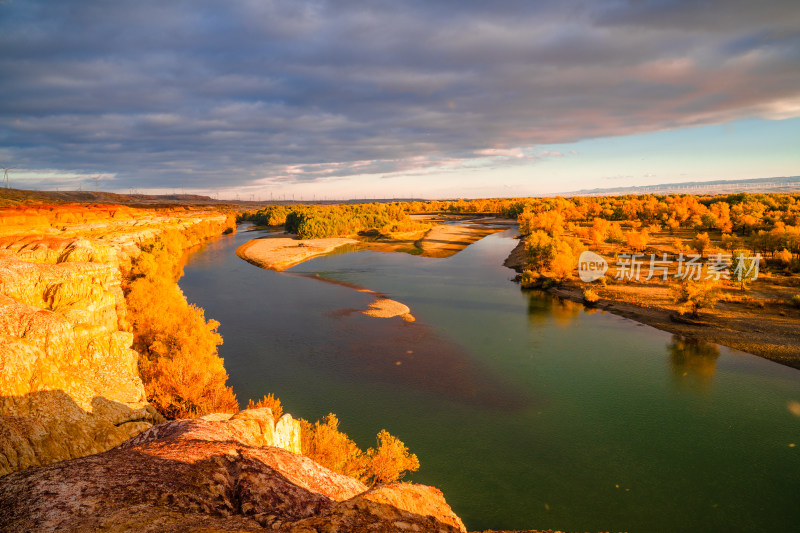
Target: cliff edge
{"type": "Point", "coordinates": [69, 380]}
{"type": "Point", "coordinates": [206, 475]}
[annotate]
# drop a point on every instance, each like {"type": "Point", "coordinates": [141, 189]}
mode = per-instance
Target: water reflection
{"type": "Point", "coordinates": [412, 354]}
{"type": "Point", "coordinates": [543, 306]}
{"type": "Point", "coordinates": [693, 362]}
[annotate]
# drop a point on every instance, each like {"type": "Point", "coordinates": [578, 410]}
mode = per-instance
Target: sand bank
{"type": "Point", "coordinates": [446, 240]}
{"type": "Point", "coordinates": [283, 251]}
{"type": "Point", "coordinates": [386, 308]}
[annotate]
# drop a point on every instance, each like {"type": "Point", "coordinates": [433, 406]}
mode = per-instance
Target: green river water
{"type": "Point", "coordinates": [527, 411]}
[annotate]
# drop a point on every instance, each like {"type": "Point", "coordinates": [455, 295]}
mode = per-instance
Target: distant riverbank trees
{"type": "Point", "coordinates": [764, 223]}
{"type": "Point", "coordinates": [316, 222]}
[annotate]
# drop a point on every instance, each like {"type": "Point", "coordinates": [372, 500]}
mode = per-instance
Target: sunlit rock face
{"type": "Point", "coordinates": [69, 381]}
{"type": "Point", "coordinates": [205, 475]}
{"type": "Point", "coordinates": [69, 384]}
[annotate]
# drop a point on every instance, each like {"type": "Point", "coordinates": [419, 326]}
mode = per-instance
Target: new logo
{"type": "Point", "coordinates": [591, 266]}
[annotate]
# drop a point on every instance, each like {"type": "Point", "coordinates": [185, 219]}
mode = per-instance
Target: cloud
{"type": "Point", "coordinates": [232, 94]}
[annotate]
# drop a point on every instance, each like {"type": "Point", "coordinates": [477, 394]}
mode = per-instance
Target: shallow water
{"type": "Point", "coordinates": [527, 411]}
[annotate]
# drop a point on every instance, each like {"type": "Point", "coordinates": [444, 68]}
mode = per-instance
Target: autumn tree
{"type": "Point", "coordinates": [701, 242]}
{"type": "Point", "coordinates": [182, 372]}
{"type": "Point", "coordinates": [696, 294]}
{"type": "Point", "coordinates": [325, 444]}
{"type": "Point", "coordinates": [391, 460]}
{"type": "Point", "coordinates": [638, 240]}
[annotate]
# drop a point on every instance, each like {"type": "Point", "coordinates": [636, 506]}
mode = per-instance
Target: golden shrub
{"type": "Point", "coordinates": [325, 444]}
{"type": "Point", "coordinates": [270, 401]}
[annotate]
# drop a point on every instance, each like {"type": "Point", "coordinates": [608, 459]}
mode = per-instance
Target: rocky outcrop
{"type": "Point", "coordinates": [69, 381]}
{"type": "Point", "coordinates": [206, 475]}
{"type": "Point", "coordinates": [259, 426]}
{"type": "Point", "coordinates": [69, 384]}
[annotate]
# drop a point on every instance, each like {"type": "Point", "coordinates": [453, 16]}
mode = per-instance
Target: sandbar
{"type": "Point", "coordinates": [282, 251]}
{"type": "Point", "coordinates": [445, 240]}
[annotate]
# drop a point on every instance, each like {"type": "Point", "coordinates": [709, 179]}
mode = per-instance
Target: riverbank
{"type": "Point", "coordinates": [446, 240]}
{"type": "Point", "coordinates": [758, 321]}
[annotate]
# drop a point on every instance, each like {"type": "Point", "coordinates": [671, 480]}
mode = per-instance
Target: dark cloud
{"type": "Point", "coordinates": [165, 94]}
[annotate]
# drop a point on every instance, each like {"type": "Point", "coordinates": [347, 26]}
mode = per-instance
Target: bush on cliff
{"type": "Point", "coordinates": [182, 372]}
{"type": "Point", "coordinates": [269, 401]}
{"type": "Point", "coordinates": [325, 444]}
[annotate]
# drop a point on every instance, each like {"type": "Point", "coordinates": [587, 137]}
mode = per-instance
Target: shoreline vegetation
{"type": "Point", "coordinates": [184, 376]}
{"type": "Point", "coordinates": [756, 314]}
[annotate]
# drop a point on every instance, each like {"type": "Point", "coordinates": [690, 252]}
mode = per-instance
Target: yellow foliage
{"type": "Point", "coordinates": [590, 296]}
{"type": "Point", "coordinates": [270, 401]}
{"type": "Point", "coordinates": [696, 294]}
{"type": "Point", "coordinates": [325, 444]}
{"type": "Point", "coordinates": [182, 373]}
{"type": "Point", "coordinates": [179, 365]}
{"type": "Point", "coordinates": [701, 242]}
{"type": "Point", "coordinates": [784, 256]}
{"type": "Point", "coordinates": [391, 460]}
{"type": "Point", "coordinates": [637, 240]}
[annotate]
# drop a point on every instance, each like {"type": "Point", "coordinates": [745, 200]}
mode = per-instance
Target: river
{"type": "Point", "coordinates": [527, 411]}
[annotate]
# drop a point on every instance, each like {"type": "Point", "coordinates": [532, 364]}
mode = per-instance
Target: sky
{"type": "Point", "coordinates": [341, 99]}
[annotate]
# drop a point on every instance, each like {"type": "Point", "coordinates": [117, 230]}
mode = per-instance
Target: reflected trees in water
{"type": "Point", "coordinates": [693, 361]}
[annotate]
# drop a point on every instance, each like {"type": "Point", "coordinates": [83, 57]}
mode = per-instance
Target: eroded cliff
{"type": "Point", "coordinates": [69, 383]}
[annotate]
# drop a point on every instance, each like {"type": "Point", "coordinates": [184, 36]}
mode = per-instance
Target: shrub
{"type": "Point", "coordinates": [325, 444]}
{"type": "Point", "coordinates": [637, 240]}
{"type": "Point", "coordinates": [182, 373]}
{"type": "Point", "coordinates": [391, 461]}
{"type": "Point", "coordinates": [528, 279]}
{"type": "Point", "coordinates": [615, 234]}
{"type": "Point", "coordinates": [673, 225]}
{"type": "Point", "coordinates": [730, 242]}
{"type": "Point", "coordinates": [270, 401]}
{"type": "Point", "coordinates": [784, 256]}
{"type": "Point", "coordinates": [590, 297]}
{"type": "Point", "coordinates": [696, 295]}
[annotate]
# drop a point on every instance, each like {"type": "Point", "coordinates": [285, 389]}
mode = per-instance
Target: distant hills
{"type": "Point", "coordinates": [9, 197]}
{"type": "Point", "coordinates": [788, 184]}
{"type": "Point", "coordinates": [22, 196]}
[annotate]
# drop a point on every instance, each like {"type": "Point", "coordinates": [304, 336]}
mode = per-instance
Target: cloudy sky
{"type": "Point", "coordinates": [399, 98]}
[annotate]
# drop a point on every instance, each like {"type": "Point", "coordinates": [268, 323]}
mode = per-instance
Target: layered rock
{"type": "Point", "coordinates": [69, 382]}
{"type": "Point", "coordinates": [206, 475]}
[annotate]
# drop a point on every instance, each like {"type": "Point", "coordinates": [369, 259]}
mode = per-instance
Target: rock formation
{"type": "Point", "coordinates": [69, 382]}
{"type": "Point", "coordinates": [206, 475]}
